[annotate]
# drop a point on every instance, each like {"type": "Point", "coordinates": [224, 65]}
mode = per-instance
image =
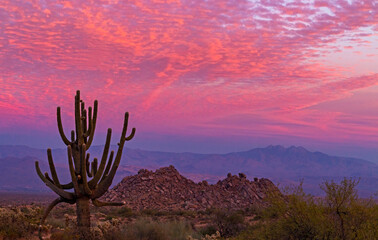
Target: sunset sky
{"type": "Point", "coordinates": [195, 75]}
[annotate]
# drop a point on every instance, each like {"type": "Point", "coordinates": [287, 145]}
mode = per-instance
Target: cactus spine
{"type": "Point", "coordinates": [81, 170]}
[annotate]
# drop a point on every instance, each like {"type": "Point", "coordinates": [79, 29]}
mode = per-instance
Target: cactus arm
{"type": "Point", "coordinates": [84, 122]}
{"type": "Point", "coordinates": [87, 164]}
{"type": "Point", "coordinates": [52, 168]}
{"type": "Point", "coordinates": [94, 119]}
{"type": "Point", "coordinates": [63, 186]}
{"type": "Point", "coordinates": [87, 190]}
{"type": "Point", "coordinates": [131, 135]}
{"type": "Point", "coordinates": [46, 213]}
{"type": "Point", "coordinates": [98, 203]}
{"type": "Point", "coordinates": [87, 133]}
{"type": "Point", "coordinates": [67, 186]}
{"type": "Point", "coordinates": [60, 127]}
{"type": "Point", "coordinates": [98, 174]}
{"type": "Point", "coordinates": [39, 172]}
{"type": "Point", "coordinates": [48, 177]}
{"type": "Point", "coordinates": [83, 117]}
{"type": "Point", "coordinates": [72, 136]}
{"type": "Point", "coordinates": [82, 106]}
{"type": "Point", "coordinates": [72, 172]}
{"type": "Point", "coordinates": [94, 166]}
{"type": "Point", "coordinates": [123, 136]}
{"type": "Point", "coordinates": [79, 129]}
{"type": "Point", "coordinates": [105, 184]}
{"type": "Point", "coordinates": [107, 169]}
{"type": "Point", "coordinates": [107, 181]}
{"type": "Point", "coordinates": [59, 191]}
{"type": "Point", "coordinates": [50, 207]}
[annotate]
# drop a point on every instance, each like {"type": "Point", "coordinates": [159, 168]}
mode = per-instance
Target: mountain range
{"type": "Point", "coordinates": [282, 165]}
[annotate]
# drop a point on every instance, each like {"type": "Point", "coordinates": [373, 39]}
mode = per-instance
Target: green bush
{"type": "Point", "coordinates": [349, 216]}
{"type": "Point", "coordinates": [125, 212]}
{"type": "Point", "coordinates": [339, 215]}
{"type": "Point", "coordinates": [146, 229]}
{"type": "Point", "coordinates": [208, 230]}
{"type": "Point", "coordinates": [229, 223]}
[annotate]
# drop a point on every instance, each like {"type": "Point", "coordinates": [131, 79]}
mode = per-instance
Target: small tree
{"type": "Point", "coordinates": [81, 169]}
{"type": "Point", "coordinates": [340, 198]}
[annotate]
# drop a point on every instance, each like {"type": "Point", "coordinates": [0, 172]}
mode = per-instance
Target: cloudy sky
{"type": "Point", "coordinates": [195, 75]}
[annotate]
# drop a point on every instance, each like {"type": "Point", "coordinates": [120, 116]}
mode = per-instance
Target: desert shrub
{"type": "Point", "coordinates": [296, 217]}
{"type": "Point", "coordinates": [145, 229]}
{"type": "Point", "coordinates": [362, 221]}
{"type": "Point", "coordinates": [62, 210]}
{"type": "Point", "coordinates": [66, 234]}
{"type": "Point", "coordinates": [349, 216]}
{"type": "Point", "coordinates": [18, 222]}
{"type": "Point", "coordinates": [208, 230]}
{"type": "Point", "coordinates": [125, 212]}
{"type": "Point", "coordinates": [215, 236]}
{"type": "Point", "coordinates": [56, 222]}
{"type": "Point", "coordinates": [179, 230]}
{"type": "Point", "coordinates": [229, 223]}
{"type": "Point", "coordinates": [110, 213]}
{"type": "Point", "coordinates": [159, 213]}
{"type": "Point", "coordinates": [210, 211]}
{"type": "Point", "coordinates": [184, 213]}
{"type": "Point", "coordinates": [303, 217]}
{"type": "Point", "coordinates": [150, 212]}
{"type": "Point", "coordinates": [340, 215]}
{"type": "Point", "coordinates": [254, 210]}
{"type": "Point", "coordinates": [110, 230]}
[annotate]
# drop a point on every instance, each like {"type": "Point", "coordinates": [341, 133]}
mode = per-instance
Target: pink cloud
{"type": "Point", "coordinates": [176, 64]}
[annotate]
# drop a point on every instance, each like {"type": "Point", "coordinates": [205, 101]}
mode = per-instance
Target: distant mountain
{"type": "Point", "coordinates": [281, 165]}
{"type": "Point", "coordinates": [17, 174]}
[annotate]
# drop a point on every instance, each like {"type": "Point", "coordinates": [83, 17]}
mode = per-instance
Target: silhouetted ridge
{"type": "Point", "coordinates": [295, 149]}
{"type": "Point", "coordinates": [275, 147]}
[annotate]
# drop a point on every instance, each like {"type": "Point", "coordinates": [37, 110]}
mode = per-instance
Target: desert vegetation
{"type": "Point", "coordinates": [340, 214]}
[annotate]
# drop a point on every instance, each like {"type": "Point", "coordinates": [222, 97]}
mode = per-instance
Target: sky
{"type": "Point", "coordinates": [209, 76]}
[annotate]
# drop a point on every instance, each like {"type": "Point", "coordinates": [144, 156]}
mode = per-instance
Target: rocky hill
{"type": "Point", "coordinates": [166, 189]}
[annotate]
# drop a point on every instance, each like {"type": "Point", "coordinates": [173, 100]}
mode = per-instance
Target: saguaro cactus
{"type": "Point", "coordinates": [84, 188]}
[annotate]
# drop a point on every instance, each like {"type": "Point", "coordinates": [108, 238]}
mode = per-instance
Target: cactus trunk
{"type": "Point", "coordinates": [83, 217]}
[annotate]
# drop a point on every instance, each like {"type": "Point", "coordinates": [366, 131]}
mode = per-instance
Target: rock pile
{"type": "Point", "coordinates": [166, 189]}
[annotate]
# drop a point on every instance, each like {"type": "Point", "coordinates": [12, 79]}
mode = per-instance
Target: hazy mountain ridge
{"type": "Point", "coordinates": [280, 164]}
{"type": "Point", "coordinates": [15, 174]}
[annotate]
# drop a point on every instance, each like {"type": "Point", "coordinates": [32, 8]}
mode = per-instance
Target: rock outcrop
{"type": "Point", "coordinates": [166, 189]}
